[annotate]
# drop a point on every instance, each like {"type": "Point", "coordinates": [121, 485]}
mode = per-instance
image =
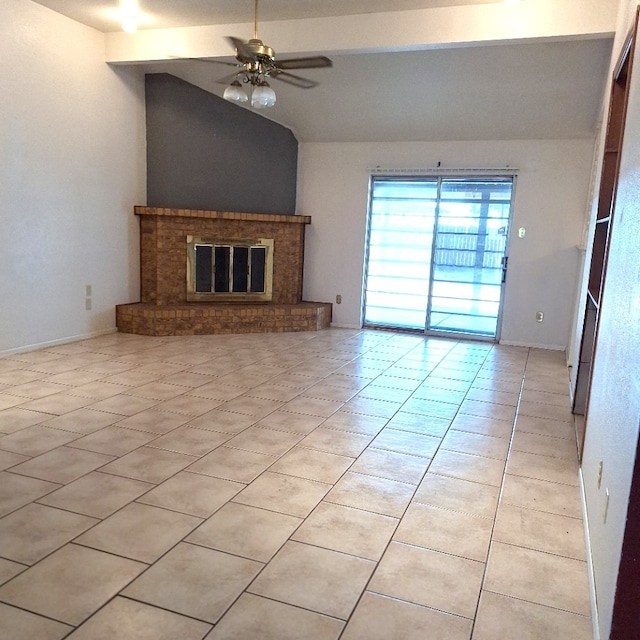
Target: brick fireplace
{"type": "Point", "coordinates": [164, 308]}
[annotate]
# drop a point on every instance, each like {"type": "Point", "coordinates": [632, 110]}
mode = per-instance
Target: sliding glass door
{"type": "Point", "coordinates": [436, 254]}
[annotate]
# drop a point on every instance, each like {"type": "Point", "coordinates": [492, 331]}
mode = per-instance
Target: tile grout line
{"type": "Point", "coordinates": [506, 462]}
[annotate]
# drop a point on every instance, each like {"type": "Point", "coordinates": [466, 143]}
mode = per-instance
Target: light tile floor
{"type": "Point", "coordinates": [339, 484]}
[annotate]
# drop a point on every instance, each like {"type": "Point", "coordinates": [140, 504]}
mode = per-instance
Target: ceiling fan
{"type": "Point", "coordinates": [258, 62]}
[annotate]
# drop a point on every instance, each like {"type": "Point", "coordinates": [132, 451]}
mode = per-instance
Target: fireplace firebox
{"type": "Point", "coordinates": [229, 270]}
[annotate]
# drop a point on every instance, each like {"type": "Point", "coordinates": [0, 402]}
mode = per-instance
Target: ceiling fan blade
{"type": "Point", "coordinates": [290, 78]}
{"type": "Point", "coordinates": [243, 53]}
{"type": "Point", "coordinates": [209, 60]}
{"type": "Point", "coordinates": [314, 62]}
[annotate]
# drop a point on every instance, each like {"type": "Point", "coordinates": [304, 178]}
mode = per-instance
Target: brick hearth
{"type": "Point", "coordinates": [163, 308]}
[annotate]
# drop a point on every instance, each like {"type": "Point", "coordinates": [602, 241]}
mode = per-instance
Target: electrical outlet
{"type": "Point", "coordinates": [338, 299]}
{"type": "Point", "coordinates": [87, 304]}
{"type": "Point", "coordinates": [87, 290]}
{"type": "Point", "coordinates": [539, 316]}
{"type": "Point", "coordinates": [522, 232]}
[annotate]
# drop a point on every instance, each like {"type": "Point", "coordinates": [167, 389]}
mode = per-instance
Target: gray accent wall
{"type": "Point", "coordinates": [206, 153]}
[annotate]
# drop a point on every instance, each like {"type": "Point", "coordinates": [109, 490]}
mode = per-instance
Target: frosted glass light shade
{"type": "Point", "coordinates": [263, 96]}
{"type": "Point", "coordinates": [235, 93]}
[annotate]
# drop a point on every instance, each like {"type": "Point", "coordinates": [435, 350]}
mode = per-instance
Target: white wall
{"type": "Point", "coordinates": [72, 165]}
{"type": "Point", "coordinates": [614, 407]}
{"type": "Point", "coordinates": [551, 203]}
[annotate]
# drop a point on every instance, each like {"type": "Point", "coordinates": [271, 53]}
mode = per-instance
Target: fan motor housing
{"type": "Point", "coordinates": [260, 50]}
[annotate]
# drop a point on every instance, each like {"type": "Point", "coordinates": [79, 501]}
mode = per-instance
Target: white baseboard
{"type": "Point", "coordinates": [339, 325]}
{"type": "Point", "coordinates": [55, 343]}
{"type": "Point", "coordinates": [532, 345]}
{"type": "Point", "coordinates": [592, 583]}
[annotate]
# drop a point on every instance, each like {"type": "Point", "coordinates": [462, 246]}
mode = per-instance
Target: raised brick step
{"type": "Point", "coordinates": [206, 318]}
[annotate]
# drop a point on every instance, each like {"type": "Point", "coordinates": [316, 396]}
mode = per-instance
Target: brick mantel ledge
{"type": "Point", "coordinates": [220, 215]}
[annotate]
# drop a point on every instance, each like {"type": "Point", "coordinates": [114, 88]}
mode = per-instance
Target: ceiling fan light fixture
{"type": "Point", "coordinates": [235, 93]}
{"type": "Point", "coordinates": [130, 16]}
{"type": "Point", "coordinates": [257, 62]}
{"type": "Point", "coordinates": [263, 96]}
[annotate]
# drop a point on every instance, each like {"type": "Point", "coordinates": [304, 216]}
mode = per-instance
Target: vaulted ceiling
{"type": "Point", "coordinates": [402, 69]}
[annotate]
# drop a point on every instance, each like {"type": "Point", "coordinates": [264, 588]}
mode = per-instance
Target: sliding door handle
{"type": "Point", "coordinates": [505, 262]}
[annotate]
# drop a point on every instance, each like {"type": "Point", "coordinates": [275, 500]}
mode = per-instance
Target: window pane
{"type": "Point", "coordinates": [222, 269]}
{"type": "Point", "coordinates": [470, 244]}
{"type": "Point", "coordinates": [240, 269]}
{"type": "Point", "coordinates": [258, 262]}
{"type": "Point", "coordinates": [204, 273]}
{"type": "Point", "coordinates": [399, 252]}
